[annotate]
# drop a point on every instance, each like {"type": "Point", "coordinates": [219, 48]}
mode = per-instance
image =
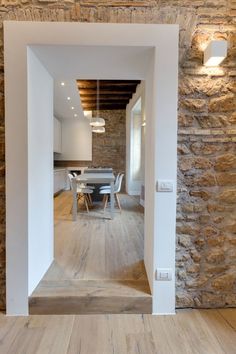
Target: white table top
{"type": "Point", "coordinates": [96, 178]}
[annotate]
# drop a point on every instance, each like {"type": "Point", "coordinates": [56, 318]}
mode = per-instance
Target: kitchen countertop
{"type": "Point", "coordinates": [59, 168]}
{"type": "Point", "coordinates": [70, 168]}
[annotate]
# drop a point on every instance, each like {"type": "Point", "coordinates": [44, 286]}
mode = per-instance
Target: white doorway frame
{"type": "Point", "coordinates": [160, 154]}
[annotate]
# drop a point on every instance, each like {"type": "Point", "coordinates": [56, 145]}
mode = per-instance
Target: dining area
{"type": "Point", "coordinates": [94, 189]}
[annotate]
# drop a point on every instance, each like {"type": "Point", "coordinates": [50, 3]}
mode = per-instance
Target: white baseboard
{"type": "Point", "coordinates": [134, 192]}
{"type": "Point", "coordinates": [164, 314]}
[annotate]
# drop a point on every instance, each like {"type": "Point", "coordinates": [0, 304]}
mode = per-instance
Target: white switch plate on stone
{"type": "Point", "coordinates": [163, 274]}
{"type": "Point", "coordinates": [164, 185]}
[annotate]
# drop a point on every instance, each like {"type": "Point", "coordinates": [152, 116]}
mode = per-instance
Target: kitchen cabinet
{"type": "Point", "coordinates": [57, 136]}
{"type": "Point", "coordinates": [59, 180]}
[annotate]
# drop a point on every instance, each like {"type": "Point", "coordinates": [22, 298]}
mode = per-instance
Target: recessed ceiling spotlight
{"type": "Point", "coordinates": [62, 83]}
{"type": "Point", "coordinates": [75, 115]}
{"type": "Point", "coordinates": [72, 107]}
{"type": "Point", "coordinates": [68, 98]}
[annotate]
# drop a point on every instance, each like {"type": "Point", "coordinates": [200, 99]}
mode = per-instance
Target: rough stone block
{"type": "Point", "coordinates": [215, 256]}
{"type": "Point", "coordinates": [194, 104]}
{"type": "Point", "coordinates": [223, 103]}
{"type": "Point", "coordinates": [225, 282]}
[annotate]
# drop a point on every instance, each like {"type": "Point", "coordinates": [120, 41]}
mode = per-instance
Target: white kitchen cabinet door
{"type": "Point", "coordinates": [59, 180]}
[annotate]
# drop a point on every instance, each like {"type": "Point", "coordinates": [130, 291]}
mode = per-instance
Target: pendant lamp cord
{"type": "Point", "coordinates": [97, 98]}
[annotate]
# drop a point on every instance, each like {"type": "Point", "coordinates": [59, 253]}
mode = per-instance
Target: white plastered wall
{"type": "Point", "coordinates": [40, 165]}
{"type": "Point", "coordinates": [76, 140]}
{"type": "Point", "coordinates": [161, 77]}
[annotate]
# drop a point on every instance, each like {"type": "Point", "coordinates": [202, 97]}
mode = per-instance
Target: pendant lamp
{"type": "Point", "coordinates": [98, 129]}
{"type": "Point", "coordinates": [97, 121]}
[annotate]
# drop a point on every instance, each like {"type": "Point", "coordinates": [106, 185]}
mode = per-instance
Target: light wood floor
{"type": "Point", "coordinates": [98, 264]}
{"type": "Point", "coordinates": [188, 332]}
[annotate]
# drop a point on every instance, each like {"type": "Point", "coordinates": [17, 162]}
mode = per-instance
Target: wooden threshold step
{"type": "Point", "coordinates": [91, 297]}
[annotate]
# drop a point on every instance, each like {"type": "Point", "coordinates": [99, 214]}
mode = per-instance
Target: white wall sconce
{"type": "Point", "coordinates": [215, 52]}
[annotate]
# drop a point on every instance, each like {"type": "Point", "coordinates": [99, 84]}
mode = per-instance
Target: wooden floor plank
{"type": "Point", "coordinates": [97, 342]}
{"type": "Point", "coordinates": [221, 329]}
{"type": "Point", "coordinates": [189, 331]}
{"type": "Point", "coordinates": [230, 316]}
{"type": "Point", "coordinates": [184, 333]}
{"type": "Point", "coordinates": [142, 343]}
{"type": "Point", "coordinates": [56, 337]}
{"type": "Point", "coordinates": [9, 327]}
{"type": "Point", "coordinates": [27, 339]}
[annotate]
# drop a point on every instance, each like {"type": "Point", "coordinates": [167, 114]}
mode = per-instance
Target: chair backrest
{"type": "Point", "coordinates": [71, 177]}
{"type": "Point", "coordinates": [117, 180]}
{"type": "Point", "coordinates": [118, 187]}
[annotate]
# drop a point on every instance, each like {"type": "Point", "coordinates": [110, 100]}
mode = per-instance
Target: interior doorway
{"type": "Point", "coordinates": [98, 264]}
{"type": "Point", "coordinates": [161, 104]}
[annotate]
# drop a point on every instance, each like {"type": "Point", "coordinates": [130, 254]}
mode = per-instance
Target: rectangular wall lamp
{"type": "Point", "coordinates": [215, 52]}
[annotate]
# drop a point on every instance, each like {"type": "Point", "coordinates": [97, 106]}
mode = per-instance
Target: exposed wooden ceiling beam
{"type": "Point", "coordinates": [113, 94]}
{"type": "Point", "coordinates": [106, 83]}
{"type": "Point", "coordinates": [104, 99]}
{"type": "Point", "coordinates": [105, 106]}
{"type": "Point", "coordinates": [102, 91]}
{"type": "Point", "coordinates": [111, 88]}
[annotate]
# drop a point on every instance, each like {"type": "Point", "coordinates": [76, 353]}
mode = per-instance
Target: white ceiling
{"type": "Point", "coordinates": [62, 106]}
{"type": "Point", "coordinates": [68, 63]}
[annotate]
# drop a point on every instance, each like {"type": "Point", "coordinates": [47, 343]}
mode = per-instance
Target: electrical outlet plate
{"type": "Point", "coordinates": [164, 185]}
{"type": "Point", "coordinates": [163, 274]}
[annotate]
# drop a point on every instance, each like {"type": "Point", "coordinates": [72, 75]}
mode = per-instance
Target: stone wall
{"type": "Point", "coordinates": [206, 218]}
{"type": "Point", "coordinates": [109, 148]}
{"type": "Point", "coordinates": [206, 225]}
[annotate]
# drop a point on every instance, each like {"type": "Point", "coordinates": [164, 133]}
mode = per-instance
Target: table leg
{"type": "Point", "coordinates": [112, 199]}
{"type": "Point", "coordinates": [75, 203]}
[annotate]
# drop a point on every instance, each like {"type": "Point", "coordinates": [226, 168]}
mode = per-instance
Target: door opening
{"type": "Point", "coordinates": [157, 64]}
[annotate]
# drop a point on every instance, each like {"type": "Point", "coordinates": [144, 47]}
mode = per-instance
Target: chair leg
{"type": "Point", "coordinates": [118, 201]}
{"type": "Point", "coordinates": [90, 199]}
{"type": "Point", "coordinates": [77, 204]}
{"type": "Point", "coordinates": [87, 199]}
{"type": "Point", "coordinates": [105, 201]}
{"type": "Point", "coordinates": [80, 196]}
{"type": "Point", "coordinates": [86, 203]}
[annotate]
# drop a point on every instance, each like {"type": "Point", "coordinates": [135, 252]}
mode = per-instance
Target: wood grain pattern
{"type": "Point", "coordinates": [98, 265]}
{"type": "Point", "coordinates": [229, 316]}
{"type": "Point", "coordinates": [113, 94]}
{"type": "Point", "coordinates": [188, 332]}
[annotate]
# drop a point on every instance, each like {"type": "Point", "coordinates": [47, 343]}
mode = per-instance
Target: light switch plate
{"type": "Point", "coordinates": [163, 274]}
{"type": "Point", "coordinates": [164, 185]}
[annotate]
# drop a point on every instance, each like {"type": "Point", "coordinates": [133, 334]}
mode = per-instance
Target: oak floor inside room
{"type": "Point", "coordinates": [98, 266]}
{"type": "Point", "coordinates": [188, 332]}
